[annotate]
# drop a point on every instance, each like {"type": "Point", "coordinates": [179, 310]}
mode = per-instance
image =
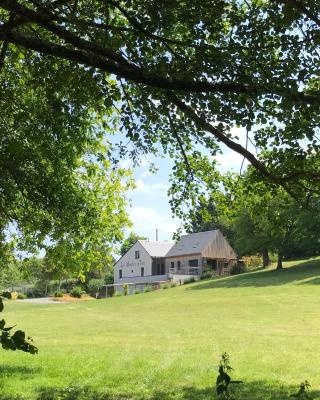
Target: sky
{"type": "Point", "coordinates": [150, 209]}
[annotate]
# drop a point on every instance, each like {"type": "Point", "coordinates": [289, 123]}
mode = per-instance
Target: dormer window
{"type": "Point", "coordinates": [137, 255]}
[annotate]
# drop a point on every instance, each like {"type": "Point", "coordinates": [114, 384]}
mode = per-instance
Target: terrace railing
{"type": "Point", "coordinates": [184, 271]}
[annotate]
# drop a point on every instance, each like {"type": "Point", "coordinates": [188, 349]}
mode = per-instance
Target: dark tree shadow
{"type": "Point", "coordinates": [17, 370]}
{"type": "Point", "coordinates": [255, 390]}
{"type": "Point", "coordinates": [308, 269]}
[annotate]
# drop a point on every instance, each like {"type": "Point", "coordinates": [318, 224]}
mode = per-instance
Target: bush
{"type": "Point", "coordinates": [189, 280]}
{"type": "Point", "coordinates": [34, 293]}
{"type": "Point", "coordinates": [21, 296]}
{"type": "Point", "coordinates": [165, 286]}
{"type": "Point", "coordinates": [117, 294]}
{"type": "Point", "coordinates": [6, 295]}
{"type": "Point", "coordinates": [125, 289]}
{"type": "Point", "coordinates": [69, 284]}
{"type": "Point", "coordinates": [77, 292]}
{"type": "Point", "coordinates": [94, 285]}
{"type": "Point", "coordinates": [147, 289]}
{"type": "Point", "coordinates": [173, 284]}
{"type": "Point", "coordinates": [206, 275]}
{"type": "Point", "coordinates": [252, 262]}
{"type": "Point", "coordinates": [238, 269]}
{"type": "Point", "coordinates": [109, 278]}
{"type": "Point", "coordinates": [58, 294]}
{"type": "Point", "coordinates": [137, 291]}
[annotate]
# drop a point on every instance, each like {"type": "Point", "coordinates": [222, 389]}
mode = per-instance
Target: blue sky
{"type": "Point", "coordinates": [150, 207]}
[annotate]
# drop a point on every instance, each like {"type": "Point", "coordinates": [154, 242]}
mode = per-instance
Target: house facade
{"type": "Point", "coordinates": [199, 252]}
{"type": "Point", "coordinates": [149, 262]}
{"type": "Point", "coordinates": [143, 263]}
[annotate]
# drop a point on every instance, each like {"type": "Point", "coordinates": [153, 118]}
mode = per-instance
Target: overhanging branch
{"type": "Point", "coordinates": [220, 136]}
{"type": "Point", "coordinates": [90, 54]}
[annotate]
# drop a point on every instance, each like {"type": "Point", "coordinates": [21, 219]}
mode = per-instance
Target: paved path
{"type": "Point", "coordinates": [42, 300]}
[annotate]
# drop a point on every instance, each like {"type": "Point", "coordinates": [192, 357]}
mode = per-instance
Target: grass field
{"type": "Point", "coordinates": [167, 344]}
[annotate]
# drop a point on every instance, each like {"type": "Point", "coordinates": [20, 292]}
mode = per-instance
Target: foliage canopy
{"type": "Point", "coordinates": [179, 73]}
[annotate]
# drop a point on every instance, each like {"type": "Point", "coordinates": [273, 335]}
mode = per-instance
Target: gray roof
{"type": "Point", "coordinates": [156, 249]}
{"type": "Point", "coordinates": [199, 243]}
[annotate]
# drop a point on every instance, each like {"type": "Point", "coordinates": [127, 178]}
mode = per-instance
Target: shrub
{"type": "Point", "coordinates": [69, 284]}
{"type": "Point", "coordinates": [125, 289]}
{"type": "Point", "coordinates": [224, 379]}
{"type": "Point", "coordinates": [6, 295]}
{"type": "Point", "coordinates": [165, 286]}
{"type": "Point", "coordinates": [206, 275]}
{"type": "Point", "coordinates": [252, 262]}
{"type": "Point", "coordinates": [117, 294]}
{"type": "Point", "coordinates": [147, 289]}
{"type": "Point", "coordinates": [109, 278]}
{"type": "Point", "coordinates": [303, 392]}
{"type": "Point", "coordinates": [238, 269]}
{"type": "Point", "coordinates": [173, 284]}
{"type": "Point", "coordinates": [137, 291]}
{"type": "Point", "coordinates": [21, 296]}
{"type": "Point", "coordinates": [189, 280]}
{"type": "Point", "coordinates": [58, 294]}
{"type": "Point", "coordinates": [34, 293]}
{"type": "Point", "coordinates": [94, 285]}
{"type": "Point", "coordinates": [77, 292]}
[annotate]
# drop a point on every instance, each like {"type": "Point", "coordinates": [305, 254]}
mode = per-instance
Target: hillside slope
{"type": "Point", "coordinates": [167, 344]}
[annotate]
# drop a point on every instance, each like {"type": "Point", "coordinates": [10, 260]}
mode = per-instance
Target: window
{"type": "Point", "coordinates": [193, 263]}
{"type": "Point", "coordinates": [172, 264]}
{"type": "Point", "coordinates": [179, 264]}
{"type": "Point", "coordinates": [137, 254]}
{"type": "Point", "coordinates": [142, 271]}
{"type": "Point", "coordinates": [120, 273]}
{"type": "Point", "coordinates": [226, 264]}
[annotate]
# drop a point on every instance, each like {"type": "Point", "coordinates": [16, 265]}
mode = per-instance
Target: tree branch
{"type": "Point", "coordinates": [46, 22]}
{"type": "Point", "coordinates": [3, 52]}
{"type": "Point", "coordinates": [202, 124]}
{"type": "Point", "coordinates": [107, 60]}
{"type": "Point", "coordinates": [298, 5]}
{"type": "Point", "coordinates": [180, 144]}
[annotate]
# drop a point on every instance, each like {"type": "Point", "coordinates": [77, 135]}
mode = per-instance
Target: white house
{"type": "Point", "coordinates": [143, 263]}
{"type": "Point", "coordinates": [149, 262]}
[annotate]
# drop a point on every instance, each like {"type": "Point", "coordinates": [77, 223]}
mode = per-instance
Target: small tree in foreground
{"type": "Point", "coordinates": [14, 341]}
{"type": "Point", "coordinates": [224, 379]}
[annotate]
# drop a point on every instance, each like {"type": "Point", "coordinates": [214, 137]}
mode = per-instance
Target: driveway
{"type": "Point", "coordinates": [42, 300]}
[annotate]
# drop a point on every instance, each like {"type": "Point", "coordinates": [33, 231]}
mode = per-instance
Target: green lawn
{"type": "Point", "coordinates": [167, 344]}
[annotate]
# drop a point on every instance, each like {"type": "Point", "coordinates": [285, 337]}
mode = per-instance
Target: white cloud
{"type": "Point", "coordinates": [230, 160]}
{"type": "Point", "coordinates": [146, 219]}
{"type": "Point", "coordinates": [145, 174]}
{"type": "Point", "coordinates": [142, 187]}
{"type": "Point", "coordinates": [125, 163]}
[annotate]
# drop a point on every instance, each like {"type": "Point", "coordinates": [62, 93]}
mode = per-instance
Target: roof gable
{"type": "Point", "coordinates": [156, 249]}
{"type": "Point", "coordinates": [208, 244]}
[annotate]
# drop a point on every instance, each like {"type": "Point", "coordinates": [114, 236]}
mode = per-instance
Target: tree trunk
{"type": "Point", "coordinates": [280, 258]}
{"type": "Point", "coordinates": [265, 258]}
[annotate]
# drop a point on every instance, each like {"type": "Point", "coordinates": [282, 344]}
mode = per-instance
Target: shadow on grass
{"type": "Point", "coordinates": [257, 390]}
{"type": "Point", "coordinates": [261, 278]}
{"type": "Point", "coordinates": [22, 370]}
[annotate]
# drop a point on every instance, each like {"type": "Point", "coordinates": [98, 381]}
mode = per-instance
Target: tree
{"type": "Point", "coordinates": [51, 149]}
{"type": "Point", "coordinates": [259, 219]}
{"type": "Point", "coordinates": [180, 76]}
{"type": "Point", "coordinates": [176, 74]}
{"type": "Point", "coordinates": [130, 241]}
{"type": "Point", "coordinates": [272, 221]}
